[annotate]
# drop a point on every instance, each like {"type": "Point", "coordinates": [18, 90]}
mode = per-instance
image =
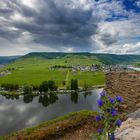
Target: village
{"type": "Point", "coordinates": [95, 68]}
{"type": "Point", "coordinates": [4, 73]}
{"type": "Point", "coordinates": [84, 68]}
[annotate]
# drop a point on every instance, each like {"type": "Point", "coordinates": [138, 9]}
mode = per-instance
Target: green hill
{"type": "Point", "coordinates": [103, 58]}
{"type": "Point", "coordinates": [34, 68]}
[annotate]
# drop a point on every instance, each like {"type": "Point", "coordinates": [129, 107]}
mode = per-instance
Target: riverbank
{"type": "Point", "coordinates": [60, 128]}
{"type": "Point", "coordinates": [59, 91]}
{"type": "Point", "coordinates": [10, 93]}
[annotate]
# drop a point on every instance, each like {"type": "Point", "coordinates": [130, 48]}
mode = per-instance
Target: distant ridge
{"type": "Point", "coordinates": [7, 59]}
{"type": "Point", "coordinates": [104, 58]}
{"type": "Point", "coordinates": [53, 55]}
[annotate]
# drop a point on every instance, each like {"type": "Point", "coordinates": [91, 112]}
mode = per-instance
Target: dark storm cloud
{"type": "Point", "coordinates": [63, 25]}
{"type": "Point", "coordinates": [54, 25]}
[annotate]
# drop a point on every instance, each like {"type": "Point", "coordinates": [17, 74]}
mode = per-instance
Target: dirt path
{"type": "Point", "coordinates": [67, 75]}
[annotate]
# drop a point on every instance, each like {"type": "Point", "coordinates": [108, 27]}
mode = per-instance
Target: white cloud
{"type": "Point", "coordinates": [70, 25]}
{"type": "Point", "coordinates": [138, 3]}
{"type": "Point", "coordinates": [30, 3]}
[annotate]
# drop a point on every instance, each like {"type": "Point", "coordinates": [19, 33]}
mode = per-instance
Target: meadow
{"type": "Point", "coordinates": [34, 70]}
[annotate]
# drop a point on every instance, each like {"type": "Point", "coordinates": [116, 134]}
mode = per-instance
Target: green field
{"type": "Point", "coordinates": [34, 70]}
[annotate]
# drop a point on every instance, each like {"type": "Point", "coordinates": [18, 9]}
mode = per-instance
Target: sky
{"type": "Point", "coordinates": [96, 26]}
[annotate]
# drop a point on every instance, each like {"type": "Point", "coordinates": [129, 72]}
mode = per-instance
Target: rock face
{"type": "Point", "coordinates": [130, 129]}
{"type": "Point", "coordinates": [127, 85]}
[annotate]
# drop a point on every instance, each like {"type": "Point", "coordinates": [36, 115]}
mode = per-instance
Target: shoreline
{"type": "Point", "coordinates": [59, 91]}
{"type": "Point", "coordinates": [54, 128]}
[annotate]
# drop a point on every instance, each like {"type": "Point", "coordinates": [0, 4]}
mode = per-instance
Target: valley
{"type": "Point", "coordinates": [35, 68]}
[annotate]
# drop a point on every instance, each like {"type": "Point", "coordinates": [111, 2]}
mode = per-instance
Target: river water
{"type": "Point", "coordinates": [19, 112]}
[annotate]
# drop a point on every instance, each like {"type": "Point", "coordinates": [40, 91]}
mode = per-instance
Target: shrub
{"type": "Point", "coordinates": [109, 118]}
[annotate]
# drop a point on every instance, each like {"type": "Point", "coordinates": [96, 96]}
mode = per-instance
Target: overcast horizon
{"type": "Point", "coordinates": [64, 52]}
{"type": "Point", "coordinates": [96, 26]}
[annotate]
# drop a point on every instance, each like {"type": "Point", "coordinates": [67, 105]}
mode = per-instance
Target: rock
{"type": "Point", "coordinates": [138, 105]}
{"type": "Point", "coordinates": [130, 130]}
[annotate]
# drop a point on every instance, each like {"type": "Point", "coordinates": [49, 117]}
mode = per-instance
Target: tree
{"type": "Point", "coordinates": [85, 86]}
{"type": "Point", "coordinates": [52, 86]}
{"type": "Point", "coordinates": [10, 87]}
{"type": "Point", "coordinates": [64, 83]}
{"type": "Point", "coordinates": [44, 87]}
{"type": "Point", "coordinates": [35, 87]}
{"type": "Point", "coordinates": [74, 84]}
{"type": "Point", "coordinates": [27, 89]}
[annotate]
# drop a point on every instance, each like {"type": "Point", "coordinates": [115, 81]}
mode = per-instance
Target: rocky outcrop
{"type": "Point", "coordinates": [130, 129]}
{"type": "Point", "coordinates": [127, 85]}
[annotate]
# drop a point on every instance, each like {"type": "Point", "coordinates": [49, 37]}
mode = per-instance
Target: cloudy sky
{"type": "Point", "coordinates": [98, 26]}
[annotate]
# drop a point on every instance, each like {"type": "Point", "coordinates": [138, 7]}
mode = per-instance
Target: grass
{"type": "Point", "coordinates": [9, 92]}
{"type": "Point", "coordinates": [52, 127]}
{"type": "Point", "coordinates": [36, 69]}
{"type": "Point", "coordinates": [90, 78]}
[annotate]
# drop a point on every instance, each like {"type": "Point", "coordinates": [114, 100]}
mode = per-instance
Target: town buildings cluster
{"type": "Point", "coordinates": [4, 73]}
{"type": "Point", "coordinates": [94, 68]}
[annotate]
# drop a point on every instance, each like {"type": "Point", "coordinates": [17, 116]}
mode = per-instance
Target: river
{"type": "Point", "coordinates": [19, 112]}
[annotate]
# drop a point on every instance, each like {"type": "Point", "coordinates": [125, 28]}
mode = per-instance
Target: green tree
{"type": "Point", "coordinates": [74, 84]}
{"type": "Point", "coordinates": [10, 87]}
{"type": "Point", "coordinates": [44, 87]}
{"type": "Point", "coordinates": [27, 89]}
{"type": "Point", "coordinates": [63, 83]}
{"type": "Point", "coordinates": [52, 86]}
{"type": "Point", "coordinates": [35, 87]}
{"type": "Point", "coordinates": [85, 86]}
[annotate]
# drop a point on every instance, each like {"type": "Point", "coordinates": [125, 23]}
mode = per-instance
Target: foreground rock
{"type": "Point", "coordinates": [130, 129]}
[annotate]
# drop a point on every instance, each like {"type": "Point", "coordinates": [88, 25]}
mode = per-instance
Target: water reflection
{"type": "Point", "coordinates": [87, 93]}
{"type": "Point", "coordinates": [74, 97]}
{"type": "Point", "coordinates": [47, 99]}
{"type": "Point", "coordinates": [28, 98]}
{"type": "Point", "coordinates": [12, 97]}
{"type": "Point", "coordinates": [18, 112]}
